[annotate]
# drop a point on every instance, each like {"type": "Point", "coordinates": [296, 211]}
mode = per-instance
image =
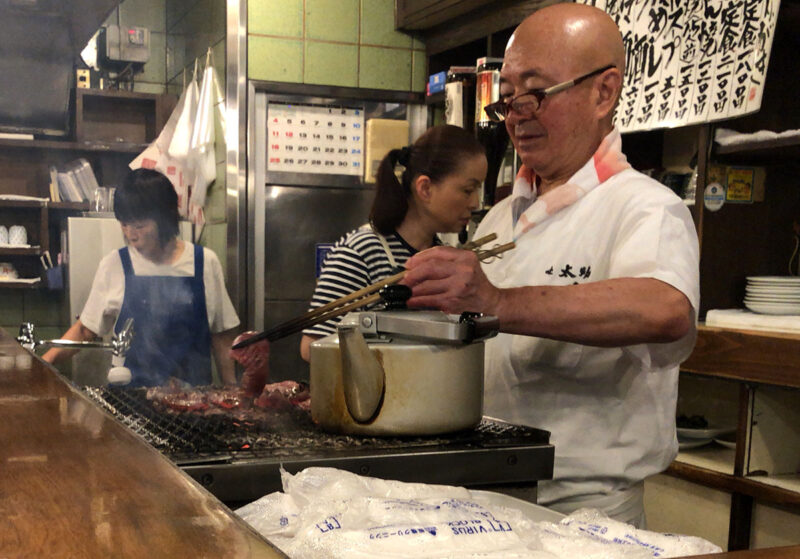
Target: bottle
{"type": "Point", "coordinates": [491, 135]}
{"type": "Point", "coordinates": [459, 94]}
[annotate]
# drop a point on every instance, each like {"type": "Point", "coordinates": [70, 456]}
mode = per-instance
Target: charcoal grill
{"type": "Point", "coordinates": [239, 460]}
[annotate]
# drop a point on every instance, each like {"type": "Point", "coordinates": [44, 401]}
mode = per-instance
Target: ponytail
{"type": "Point", "coordinates": [391, 195]}
{"type": "Point", "coordinates": [436, 154]}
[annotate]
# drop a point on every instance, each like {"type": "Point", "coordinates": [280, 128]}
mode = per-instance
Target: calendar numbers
{"type": "Point", "coordinates": [330, 135]}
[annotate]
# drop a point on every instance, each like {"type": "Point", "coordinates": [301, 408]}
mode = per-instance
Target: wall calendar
{"type": "Point", "coordinates": [320, 139]}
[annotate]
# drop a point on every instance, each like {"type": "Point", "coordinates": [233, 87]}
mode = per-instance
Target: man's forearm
{"type": "Point", "coordinates": [608, 313]}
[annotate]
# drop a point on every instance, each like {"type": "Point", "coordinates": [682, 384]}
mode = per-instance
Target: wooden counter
{"type": "Point", "coordinates": [75, 483]}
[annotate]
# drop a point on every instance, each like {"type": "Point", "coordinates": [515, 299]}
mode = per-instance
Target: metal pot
{"type": "Point", "coordinates": [400, 372]}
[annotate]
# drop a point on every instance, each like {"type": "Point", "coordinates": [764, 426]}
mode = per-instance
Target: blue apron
{"type": "Point", "coordinates": [170, 323]}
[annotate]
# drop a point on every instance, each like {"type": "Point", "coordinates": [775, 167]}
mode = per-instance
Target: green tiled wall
{"type": "Point", "coordinates": [46, 309]}
{"type": "Point", "coordinates": [192, 27]}
{"type": "Point", "coordinates": [180, 32]}
{"type": "Point", "coordinates": [332, 20]}
{"type": "Point", "coordinates": [349, 43]}
{"type": "Point", "coordinates": [331, 64]}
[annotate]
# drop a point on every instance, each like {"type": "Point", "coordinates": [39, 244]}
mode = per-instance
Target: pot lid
{"type": "Point", "coordinates": [423, 325]}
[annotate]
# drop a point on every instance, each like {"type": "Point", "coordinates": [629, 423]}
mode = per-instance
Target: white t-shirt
{"type": "Point", "coordinates": [610, 411]}
{"type": "Point", "coordinates": [108, 288]}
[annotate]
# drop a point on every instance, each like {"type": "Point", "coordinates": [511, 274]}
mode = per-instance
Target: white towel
{"type": "Point", "coordinates": [744, 319]}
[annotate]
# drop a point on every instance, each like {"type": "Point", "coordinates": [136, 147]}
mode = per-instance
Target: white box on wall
{"type": "Point", "coordinates": [382, 136]}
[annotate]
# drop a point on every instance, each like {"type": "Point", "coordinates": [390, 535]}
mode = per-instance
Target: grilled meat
{"type": "Point", "coordinates": [227, 398]}
{"type": "Point", "coordinates": [255, 360]}
{"type": "Point", "coordinates": [209, 400]}
{"type": "Point", "coordinates": [282, 395]}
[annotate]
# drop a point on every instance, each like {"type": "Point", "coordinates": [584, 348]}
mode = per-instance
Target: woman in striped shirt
{"type": "Point", "coordinates": [429, 187]}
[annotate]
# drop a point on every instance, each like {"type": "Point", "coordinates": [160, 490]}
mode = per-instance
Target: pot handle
{"type": "Point", "coordinates": [362, 375]}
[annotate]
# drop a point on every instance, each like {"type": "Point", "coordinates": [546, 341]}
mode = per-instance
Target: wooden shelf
{"type": "Point", "coordinates": [62, 206]}
{"type": "Point", "coordinates": [21, 251]}
{"type": "Point", "coordinates": [88, 146]}
{"type": "Point", "coordinates": [760, 362]}
{"type": "Point", "coordinates": [69, 206]}
{"type": "Point", "coordinates": [435, 98]}
{"type": "Point", "coordinates": [710, 457]}
{"type": "Point", "coordinates": [777, 150]}
{"type": "Point", "coordinates": [760, 488]}
{"type": "Point", "coordinates": [110, 129]}
{"type": "Point", "coordinates": [789, 482]}
{"type": "Point", "coordinates": [108, 118]}
{"type": "Point", "coordinates": [20, 285]}
{"type": "Point", "coordinates": [746, 355]}
{"type": "Point", "coordinates": [22, 203]}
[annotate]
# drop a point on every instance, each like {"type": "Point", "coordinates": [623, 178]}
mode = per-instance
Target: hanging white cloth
{"type": "Point", "coordinates": [179, 146]}
{"type": "Point", "coordinates": [202, 156]}
{"type": "Point", "coordinates": [185, 150]}
{"type": "Point", "coordinates": [157, 155]}
{"type": "Point", "coordinates": [219, 106]}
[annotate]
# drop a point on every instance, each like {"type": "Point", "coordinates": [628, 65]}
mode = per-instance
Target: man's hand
{"type": "Point", "coordinates": [451, 280]}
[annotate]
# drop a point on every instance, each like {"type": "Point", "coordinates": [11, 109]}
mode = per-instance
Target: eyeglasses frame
{"type": "Point", "coordinates": [500, 109]}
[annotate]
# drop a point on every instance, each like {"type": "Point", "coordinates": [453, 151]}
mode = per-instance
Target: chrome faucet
{"type": "Point", "coordinates": [119, 344]}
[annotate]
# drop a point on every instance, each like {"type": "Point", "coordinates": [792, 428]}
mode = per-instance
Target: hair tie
{"type": "Point", "coordinates": [403, 155]}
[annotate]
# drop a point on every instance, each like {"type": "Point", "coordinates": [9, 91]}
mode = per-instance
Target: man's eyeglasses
{"type": "Point", "coordinates": [526, 104]}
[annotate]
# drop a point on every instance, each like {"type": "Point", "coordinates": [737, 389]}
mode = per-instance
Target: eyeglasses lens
{"type": "Point", "coordinates": [495, 111]}
{"type": "Point", "coordinates": [524, 105]}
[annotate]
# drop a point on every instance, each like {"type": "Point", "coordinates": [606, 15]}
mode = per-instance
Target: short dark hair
{"type": "Point", "coordinates": [438, 153]}
{"type": "Point", "coordinates": [148, 194]}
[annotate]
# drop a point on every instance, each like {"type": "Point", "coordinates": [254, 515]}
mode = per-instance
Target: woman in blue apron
{"type": "Point", "coordinates": [173, 290]}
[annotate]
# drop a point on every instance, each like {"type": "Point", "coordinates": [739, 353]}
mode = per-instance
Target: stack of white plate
{"type": "Point", "coordinates": [773, 294]}
{"type": "Point", "coordinates": [689, 437]}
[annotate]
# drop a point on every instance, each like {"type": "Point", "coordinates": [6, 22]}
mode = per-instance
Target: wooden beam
{"type": "Point", "coordinates": [479, 23]}
{"type": "Point", "coordinates": [413, 15]}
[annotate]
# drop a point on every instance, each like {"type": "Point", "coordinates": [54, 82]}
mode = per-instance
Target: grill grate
{"type": "Point", "coordinates": [193, 438]}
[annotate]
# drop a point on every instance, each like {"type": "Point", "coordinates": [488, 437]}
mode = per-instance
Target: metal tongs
{"type": "Point", "coordinates": [357, 299]}
{"type": "Point", "coordinates": [119, 345]}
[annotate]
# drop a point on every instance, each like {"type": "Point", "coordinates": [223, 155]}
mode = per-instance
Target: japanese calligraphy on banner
{"type": "Point", "coordinates": [304, 138]}
{"type": "Point", "coordinates": [691, 61]}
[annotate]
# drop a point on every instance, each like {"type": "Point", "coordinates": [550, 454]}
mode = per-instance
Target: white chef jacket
{"type": "Point", "coordinates": [108, 288]}
{"type": "Point", "coordinates": [610, 411]}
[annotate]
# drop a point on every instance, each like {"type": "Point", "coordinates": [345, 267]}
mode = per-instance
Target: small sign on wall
{"type": "Point", "coordinates": [742, 184]}
{"type": "Point", "coordinates": [714, 196]}
{"type": "Point", "coordinates": [321, 253]}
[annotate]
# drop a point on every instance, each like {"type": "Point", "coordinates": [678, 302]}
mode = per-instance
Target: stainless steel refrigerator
{"type": "Point", "coordinates": [308, 191]}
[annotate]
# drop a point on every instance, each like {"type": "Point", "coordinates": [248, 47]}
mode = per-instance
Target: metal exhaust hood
{"type": "Point", "coordinates": [39, 43]}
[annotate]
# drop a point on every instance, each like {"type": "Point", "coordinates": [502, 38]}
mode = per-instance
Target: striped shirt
{"type": "Point", "coordinates": [357, 260]}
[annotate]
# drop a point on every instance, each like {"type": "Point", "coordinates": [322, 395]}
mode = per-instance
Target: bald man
{"type": "Point", "coordinates": [598, 301]}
